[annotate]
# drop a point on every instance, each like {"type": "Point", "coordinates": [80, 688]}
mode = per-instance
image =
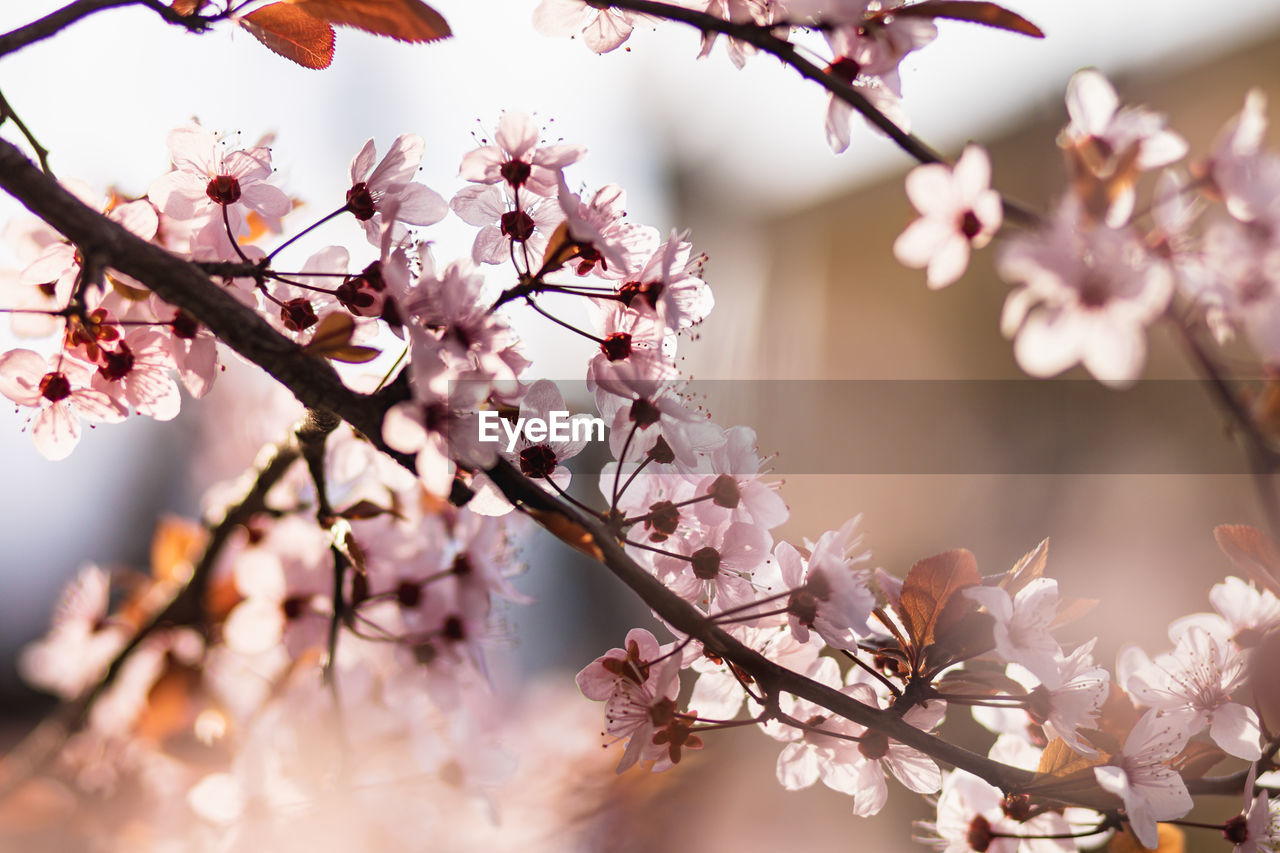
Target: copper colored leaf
{"type": "Point", "coordinates": [1066, 775]}
{"type": "Point", "coordinates": [567, 531]}
{"type": "Point", "coordinates": [353, 354]}
{"type": "Point", "coordinates": [289, 31]}
{"type": "Point", "coordinates": [1169, 839]}
{"type": "Point", "coordinates": [1197, 759]}
{"type": "Point", "coordinates": [169, 707]}
{"type": "Point", "coordinates": [404, 20]}
{"type": "Point", "coordinates": [1252, 551]}
{"type": "Point", "coordinates": [1071, 609]}
{"type": "Point", "coordinates": [962, 632]}
{"type": "Point", "coordinates": [1060, 760]}
{"type": "Point", "coordinates": [332, 334]}
{"type": "Point", "coordinates": [560, 248]}
{"type": "Point", "coordinates": [175, 547]}
{"type": "Point", "coordinates": [187, 8]}
{"type": "Point", "coordinates": [987, 14]}
{"type": "Point", "coordinates": [1027, 569]}
{"type": "Point", "coordinates": [979, 682]}
{"type": "Point", "coordinates": [928, 588]}
{"type": "Point", "coordinates": [365, 509]}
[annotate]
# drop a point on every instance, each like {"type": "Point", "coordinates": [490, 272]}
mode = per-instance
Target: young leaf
{"type": "Point", "coordinates": [353, 354]}
{"type": "Point", "coordinates": [289, 31]}
{"type": "Point", "coordinates": [1066, 775]}
{"type": "Point", "coordinates": [332, 334]}
{"type": "Point", "coordinates": [404, 20]}
{"type": "Point", "coordinates": [1252, 551]}
{"type": "Point", "coordinates": [929, 585]}
{"type": "Point", "coordinates": [987, 14]}
{"type": "Point", "coordinates": [1027, 569]}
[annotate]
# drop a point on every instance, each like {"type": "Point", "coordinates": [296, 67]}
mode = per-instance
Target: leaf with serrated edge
{"type": "Point", "coordinates": [1027, 569]}
{"type": "Point", "coordinates": [1252, 551]}
{"type": "Point", "coordinates": [929, 586]}
{"type": "Point", "coordinates": [987, 14]}
{"type": "Point", "coordinates": [404, 20]}
{"type": "Point", "coordinates": [289, 31]}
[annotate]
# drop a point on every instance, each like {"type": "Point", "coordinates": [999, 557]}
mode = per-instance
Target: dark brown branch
{"type": "Point", "coordinates": [7, 113]}
{"type": "Point", "coordinates": [53, 23]}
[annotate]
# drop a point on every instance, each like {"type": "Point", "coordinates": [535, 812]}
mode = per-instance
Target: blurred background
{"type": "Point", "coordinates": [805, 283]}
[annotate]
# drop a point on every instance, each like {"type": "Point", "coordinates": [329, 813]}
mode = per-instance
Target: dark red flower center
{"type": "Point", "coordinates": [297, 314]}
{"type": "Point", "coordinates": [970, 227]}
{"type": "Point", "coordinates": [116, 365]}
{"type": "Point", "coordinates": [616, 346]}
{"type": "Point", "coordinates": [649, 291]}
{"type": "Point", "coordinates": [55, 387]}
{"type": "Point", "coordinates": [360, 202]}
{"type": "Point", "coordinates": [515, 172]}
{"type": "Point", "coordinates": [223, 189]}
{"type": "Point", "coordinates": [706, 563]}
{"type": "Point", "coordinates": [874, 745]}
{"type": "Point", "coordinates": [517, 225]}
{"type": "Point", "coordinates": [537, 461]}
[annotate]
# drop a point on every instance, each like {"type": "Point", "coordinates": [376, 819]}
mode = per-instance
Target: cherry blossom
{"type": "Point", "coordinates": [391, 182]}
{"type": "Point", "coordinates": [516, 158]}
{"type": "Point", "coordinates": [1085, 295]}
{"type": "Point", "coordinates": [1141, 776]}
{"type": "Point", "coordinates": [61, 390]}
{"type": "Point", "coordinates": [1198, 676]}
{"type": "Point", "coordinates": [958, 210]}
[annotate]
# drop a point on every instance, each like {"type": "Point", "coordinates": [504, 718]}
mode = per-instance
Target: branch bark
{"type": "Point", "coordinates": [53, 23]}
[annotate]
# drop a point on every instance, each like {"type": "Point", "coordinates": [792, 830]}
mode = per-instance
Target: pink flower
{"type": "Point", "coordinates": [81, 642]}
{"type": "Point", "coordinates": [602, 30]}
{"type": "Point", "coordinates": [61, 390]}
{"type": "Point", "coordinates": [1198, 676]}
{"type": "Point", "coordinates": [1022, 624]}
{"type": "Point", "coordinates": [137, 372]}
{"type": "Point", "coordinates": [504, 226]}
{"type": "Point", "coordinates": [517, 159]}
{"type": "Point", "coordinates": [391, 183]}
{"type": "Point", "coordinates": [830, 591]}
{"type": "Point", "coordinates": [1141, 776]}
{"type": "Point", "coordinates": [208, 178]}
{"type": "Point", "coordinates": [958, 209]}
{"type": "Point", "coordinates": [1086, 295]}
{"type": "Point", "coordinates": [621, 669]}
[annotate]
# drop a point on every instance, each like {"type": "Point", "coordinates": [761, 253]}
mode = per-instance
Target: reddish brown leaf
{"type": "Point", "coordinates": [289, 31]}
{"type": "Point", "coordinates": [974, 682]}
{"type": "Point", "coordinates": [1252, 551]}
{"type": "Point", "coordinates": [353, 354]}
{"type": "Point", "coordinates": [175, 546]}
{"type": "Point", "coordinates": [1027, 569]}
{"type": "Point", "coordinates": [187, 8]}
{"type": "Point", "coordinates": [1197, 759]}
{"type": "Point", "coordinates": [987, 14]}
{"type": "Point", "coordinates": [1067, 775]}
{"type": "Point", "coordinates": [332, 334]}
{"type": "Point", "coordinates": [1071, 609]}
{"type": "Point", "coordinates": [929, 586]}
{"type": "Point", "coordinates": [364, 509]}
{"type": "Point", "coordinates": [404, 20]}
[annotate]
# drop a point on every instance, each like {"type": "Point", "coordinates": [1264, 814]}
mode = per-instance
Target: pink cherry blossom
{"type": "Point", "coordinates": [61, 390]}
{"type": "Point", "coordinates": [958, 210]}
{"type": "Point", "coordinates": [516, 158]}
{"type": "Point", "coordinates": [1085, 294]}
{"type": "Point", "coordinates": [1141, 776]}
{"type": "Point", "coordinates": [373, 188]}
{"type": "Point", "coordinates": [602, 30]}
{"type": "Point", "coordinates": [1022, 624]}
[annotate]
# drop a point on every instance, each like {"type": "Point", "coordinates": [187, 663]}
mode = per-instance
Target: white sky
{"type": "Point", "coordinates": [103, 95]}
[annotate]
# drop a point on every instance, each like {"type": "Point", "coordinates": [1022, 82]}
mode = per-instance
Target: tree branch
{"type": "Point", "coordinates": [55, 22]}
{"type": "Point", "coordinates": [185, 608]}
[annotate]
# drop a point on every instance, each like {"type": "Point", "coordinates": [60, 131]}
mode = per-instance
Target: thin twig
{"type": "Point", "coordinates": [53, 23]}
